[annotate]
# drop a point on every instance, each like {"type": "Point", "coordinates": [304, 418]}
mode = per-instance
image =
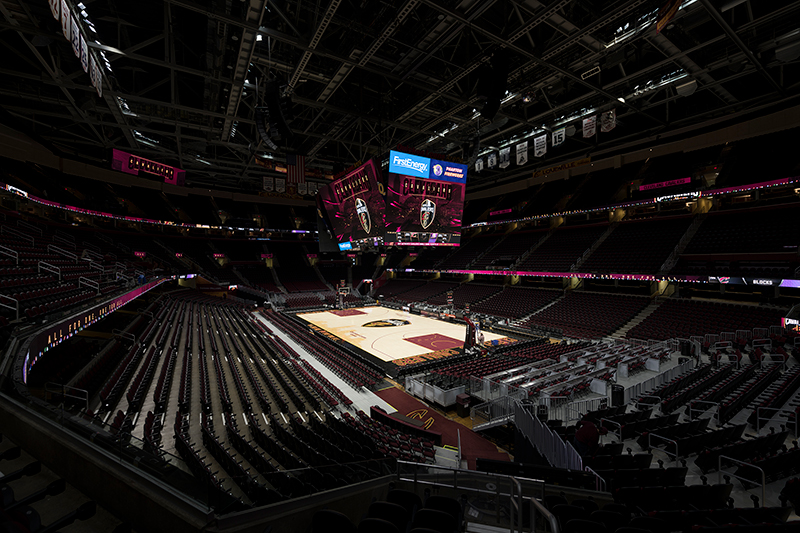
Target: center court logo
{"type": "Point", "coordinates": [387, 323]}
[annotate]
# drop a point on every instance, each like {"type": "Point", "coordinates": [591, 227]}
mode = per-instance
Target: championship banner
{"type": "Point", "coordinates": [312, 188]}
{"type": "Point", "coordinates": [559, 136]}
{"type": "Point", "coordinates": [55, 8]}
{"type": "Point", "coordinates": [608, 120]}
{"type": "Point", "coordinates": [479, 164]}
{"type": "Point", "coordinates": [98, 76]}
{"type": "Point", "coordinates": [589, 127]}
{"type": "Point", "coordinates": [505, 157]}
{"type": "Point", "coordinates": [92, 71]}
{"type": "Point", "coordinates": [269, 183]}
{"type": "Point", "coordinates": [492, 160]}
{"type": "Point", "coordinates": [302, 188]}
{"type": "Point", "coordinates": [65, 18]}
{"type": "Point", "coordinates": [75, 36]}
{"type": "Point", "coordinates": [84, 55]}
{"type": "Point", "coordinates": [540, 145]}
{"type": "Point", "coordinates": [522, 153]}
{"type": "Point", "coordinates": [280, 185]}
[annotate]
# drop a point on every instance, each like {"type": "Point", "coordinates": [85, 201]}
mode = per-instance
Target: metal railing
{"type": "Point", "coordinates": [66, 391]}
{"type": "Point", "coordinates": [713, 405]}
{"type": "Point", "coordinates": [60, 251]}
{"type": "Point", "coordinates": [43, 265]}
{"type": "Point", "coordinates": [775, 411]}
{"type": "Point", "coordinates": [4, 250]}
{"type": "Point", "coordinates": [665, 439]}
{"type": "Point", "coordinates": [558, 453]}
{"type": "Point", "coordinates": [500, 487]}
{"type": "Point", "coordinates": [740, 478]}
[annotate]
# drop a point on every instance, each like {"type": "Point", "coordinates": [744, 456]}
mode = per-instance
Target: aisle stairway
{"type": "Point", "coordinates": [646, 312]}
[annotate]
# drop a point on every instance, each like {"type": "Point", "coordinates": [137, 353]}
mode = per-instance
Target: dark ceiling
{"type": "Point", "coordinates": [364, 76]}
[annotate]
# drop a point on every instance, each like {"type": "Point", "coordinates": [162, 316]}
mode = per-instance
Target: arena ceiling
{"type": "Point", "coordinates": [183, 78]}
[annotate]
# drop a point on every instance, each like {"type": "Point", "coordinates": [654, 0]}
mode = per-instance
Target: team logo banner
{"type": "Point", "coordinates": [589, 127]}
{"type": "Point", "coordinates": [312, 188]}
{"type": "Point", "coordinates": [280, 185]}
{"type": "Point", "coordinates": [302, 188]}
{"type": "Point", "coordinates": [522, 153]}
{"type": "Point", "coordinates": [608, 120]}
{"type": "Point", "coordinates": [559, 136]}
{"type": "Point", "coordinates": [427, 212]}
{"type": "Point", "coordinates": [492, 160]}
{"type": "Point", "coordinates": [505, 157]}
{"type": "Point", "coordinates": [479, 164]}
{"type": "Point", "coordinates": [363, 214]}
{"type": "Point", "coordinates": [540, 145]}
{"type": "Point", "coordinates": [269, 183]}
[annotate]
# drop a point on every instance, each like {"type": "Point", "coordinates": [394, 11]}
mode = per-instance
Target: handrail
{"type": "Point", "coordinates": [61, 251]}
{"type": "Point", "coordinates": [29, 226]}
{"type": "Point", "coordinates": [14, 308]}
{"type": "Point", "coordinates": [676, 454]}
{"type": "Point", "coordinates": [659, 398]}
{"type": "Point", "coordinates": [550, 517]}
{"type": "Point", "coordinates": [51, 387]}
{"type": "Point", "coordinates": [616, 424]}
{"type": "Point", "coordinates": [89, 283]}
{"type": "Point", "coordinates": [49, 268]}
{"type": "Point", "coordinates": [759, 418]}
{"type": "Point", "coordinates": [124, 334]}
{"type": "Point", "coordinates": [62, 240]}
{"type": "Point", "coordinates": [91, 246]}
{"type": "Point", "coordinates": [518, 504]}
{"type": "Point", "coordinates": [4, 250]}
{"type": "Point", "coordinates": [740, 478]}
{"type": "Point", "coordinates": [691, 416]}
{"type": "Point", "coordinates": [600, 484]}
{"type": "Point", "coordinates": [21, 235]}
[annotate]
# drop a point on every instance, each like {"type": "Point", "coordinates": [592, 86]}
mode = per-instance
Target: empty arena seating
{"type": "Point", "coordinates": [396, 287]}
{"type": "Point", "coordinates": [637, 246]}
{"type": "Point", "coordinates": [515, 302]}
{"type": "Point", "coordinates": [587, 314]}
{"type": "Point", "coordinates": [465, 254]}
{"type": "Point", "coordinates": [424, 292]}
{"type": "Point", "coordinates": [747, 231]}
{"type": "Point", "coordinates": [466, 293]}
{"type": "Point", "coordinates": [684, 318]}
{"type": "Point", "coordinates": [509, 249]}
{"type": "Point", "coordinates": [562, 248]}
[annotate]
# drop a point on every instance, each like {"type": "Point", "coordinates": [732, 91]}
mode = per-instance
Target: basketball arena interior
{"type": "Point", "coordinates": [415, 266]}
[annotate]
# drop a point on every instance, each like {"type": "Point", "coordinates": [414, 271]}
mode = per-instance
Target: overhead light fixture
{"type": "Point", "coordinates": [259, 37]}
{"type": "Point", "coordinates": [621, 99]}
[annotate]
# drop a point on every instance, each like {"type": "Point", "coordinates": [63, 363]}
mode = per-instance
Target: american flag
{"type": "Point", "coordinates": [295, 168]}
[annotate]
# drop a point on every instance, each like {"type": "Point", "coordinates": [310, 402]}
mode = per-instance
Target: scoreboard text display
{"type": "Point", "coordinates": [424, 201]}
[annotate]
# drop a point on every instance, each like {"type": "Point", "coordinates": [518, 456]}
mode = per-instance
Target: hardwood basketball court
{"type": "Point", "coordinates": [389, 334]}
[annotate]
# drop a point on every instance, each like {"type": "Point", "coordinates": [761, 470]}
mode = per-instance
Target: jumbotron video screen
{"type": "Point", "coordinates": [354, 207]}
{"type": "Point", "coordinates": [424, 201]}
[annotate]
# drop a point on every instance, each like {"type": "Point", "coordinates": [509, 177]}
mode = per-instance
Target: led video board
{"type": "Point", "coordinates": [353, 207]}
{"type": "Point", "coordinates": [424, 201]}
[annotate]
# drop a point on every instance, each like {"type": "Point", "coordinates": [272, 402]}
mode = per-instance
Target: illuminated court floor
{"type": "Point", "coordinates": [389, 334]}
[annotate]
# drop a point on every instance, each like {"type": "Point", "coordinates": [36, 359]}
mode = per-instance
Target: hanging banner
{"type": "Point", "coordinates": [280, 185]}
{"type": "Point", "coordinates": [589, 127]}
{"type": "Point", "coordinates": [492, 160]}
{"type": "Point", "coordinates": [505, 157]}
{"type": "Point", "coordinates": [65, 19]}
{"type": "Point", "coordinates": [312, 188]}
{"type": "Point", "coordinates": [479, 164]}
{"type": "Point", "coordinates": [92, 71]}
{"type": "Point", "coordinates": [84, 55]}
{"type": "Point", "coordinates": [608, 120]}
{"type": "Point", "coordinates": [559, 136]}
{"type": "Point", "coordinates": [75, 35]}
{"type": "Point", "coordinates": [302, 188]}
{"type": "Point", "coordinates": [522, 153]}
{"type": "Point", "coordinates": [666, 12]}
{"type": "Point", "coordinates": [98, 76]}
{"type": "Point", "coordinates": [540, 145]}
{"type": "Point", "coordinates": [55, 8]}
{"type": "Point", "coordinates": [269, 183]}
